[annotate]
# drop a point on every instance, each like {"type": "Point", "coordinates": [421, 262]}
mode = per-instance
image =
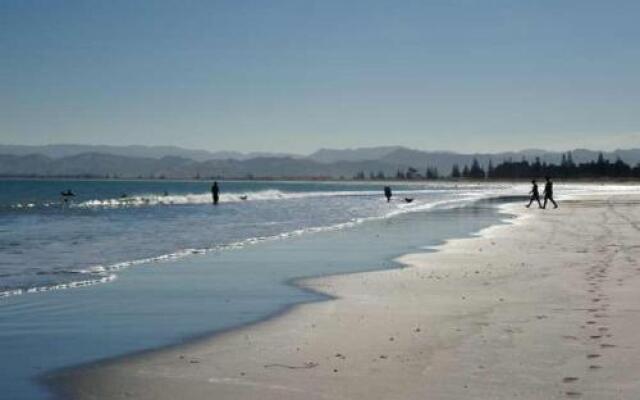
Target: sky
{"type": "Point", "coordinates": [295, 76]}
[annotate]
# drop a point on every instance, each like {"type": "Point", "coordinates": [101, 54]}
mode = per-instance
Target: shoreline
{"type": "Point", "coordinates": [108, 271]}
{"type": "Point", "coordinates": [310, 350]}
{"type": "Point", "coordinates": [195, 296]}
{"type": "Point", "coordinates": [502, 217]}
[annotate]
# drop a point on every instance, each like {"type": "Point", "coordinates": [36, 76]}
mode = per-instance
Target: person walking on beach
{"type": "Point", "coordinates": [215, 193]}
{"type": "Point", "coordinates": [535, 194]}
{"type": "Point", "coordinates": [548, 193]}
{"type": "Point", "coordinates": [387, 193]}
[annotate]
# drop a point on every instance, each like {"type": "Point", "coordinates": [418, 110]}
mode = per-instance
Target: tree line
{"type": "Point", "coordinates": [523, 169]}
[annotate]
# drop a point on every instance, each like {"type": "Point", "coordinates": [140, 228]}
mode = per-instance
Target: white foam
{"type": "Point", "coordinates": [105, 273]}
{"type": "Point", "coordinates": [235, 197]}
{"type": "Point", "coordinates": [60, 286]}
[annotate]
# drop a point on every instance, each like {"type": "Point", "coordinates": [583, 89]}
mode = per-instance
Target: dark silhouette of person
{"type": "Point", "coordinates": [215, 193]}
{"type": "Point", "coordinates": [548, 193]}
{"type": "Point", "coordinates": [535, 194]}
{"type": "Point", "coordinates": [387, 193]}
{"type": "Point", "coordinates": [68, 194]}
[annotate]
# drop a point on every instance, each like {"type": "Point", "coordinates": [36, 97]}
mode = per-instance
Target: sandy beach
{"type": "Point", "coordinates": [544, 307]}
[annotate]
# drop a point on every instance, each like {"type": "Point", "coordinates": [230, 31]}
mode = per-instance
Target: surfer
{"type": "Point", "coordinates": [387, 193]}
{"type": "Point", "coordinates": [215, 193]}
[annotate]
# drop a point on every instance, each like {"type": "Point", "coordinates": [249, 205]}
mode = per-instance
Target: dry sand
{"type": "Point", "coordinates": [545, 308]}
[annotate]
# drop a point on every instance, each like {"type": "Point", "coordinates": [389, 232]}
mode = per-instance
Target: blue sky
{"type": "Point", "coordinates": [298, 75]}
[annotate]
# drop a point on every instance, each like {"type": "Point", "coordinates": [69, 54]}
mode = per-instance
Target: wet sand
{"type": "Point", "coordinates": [546, 307]}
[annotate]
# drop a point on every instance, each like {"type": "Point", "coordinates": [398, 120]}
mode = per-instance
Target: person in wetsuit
{"type": "Point", "coordinates": [548, 193]}
{"type": "Point", "coordinates": [387, 193]}
{"type": "Point", "coordinates": [535, 194]}
{"type": "Point", "coordinates": [215, 193]}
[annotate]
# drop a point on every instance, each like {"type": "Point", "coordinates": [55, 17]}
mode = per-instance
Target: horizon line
{"type": "Point", "coordinates": [284, 153]}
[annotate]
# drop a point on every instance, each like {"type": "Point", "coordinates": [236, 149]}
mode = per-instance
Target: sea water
{"type": "Point", "coordinates": [162, 265]}
{"type": "Point", "coordinates": [48, 244]}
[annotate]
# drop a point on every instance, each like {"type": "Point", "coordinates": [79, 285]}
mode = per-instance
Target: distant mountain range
{"type": "Point", "coordinates": [66, 150]}
{"type": "Point", "coordinates": [175, 162]}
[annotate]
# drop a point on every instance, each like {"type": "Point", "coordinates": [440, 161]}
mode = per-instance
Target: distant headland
{"type": "Point", "coordinates": [373, 163]}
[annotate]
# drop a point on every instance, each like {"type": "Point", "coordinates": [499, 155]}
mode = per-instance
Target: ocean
{"type": "Point", "coordinates": [128, 266]}
{"type": "Point", "coordinates": [108, 226]}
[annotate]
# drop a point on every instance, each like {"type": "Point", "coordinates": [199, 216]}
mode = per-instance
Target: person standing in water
{"type": "Point", "coordinates": [535, 194]}
{"type": "Point", "coordinates": [548, 193]}
{"type": "Point", "coordinates": [66, 196]}
{"type": "Point", "coordinates": [387, 193]}
{"type": "Point", "coordinates": [215, 193]}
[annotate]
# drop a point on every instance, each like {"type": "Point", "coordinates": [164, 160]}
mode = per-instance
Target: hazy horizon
{"type": "Point", "coordinates": [293, 77]}
{"type": "Point", "coordinates": [214, 150]}
{"type": "Point", "coordinates": [434, 150]}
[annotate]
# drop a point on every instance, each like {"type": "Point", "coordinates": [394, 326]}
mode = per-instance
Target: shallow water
{"type": "Point", "coordinates": [308, 229]}
{"type": "Point", "coordinates": [45, 244]}
{"type": "Point", "coordinates": [162, 304]}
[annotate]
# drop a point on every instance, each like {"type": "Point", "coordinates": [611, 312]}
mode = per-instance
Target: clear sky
{"type": "Point", "coordinates": [297, 75]}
